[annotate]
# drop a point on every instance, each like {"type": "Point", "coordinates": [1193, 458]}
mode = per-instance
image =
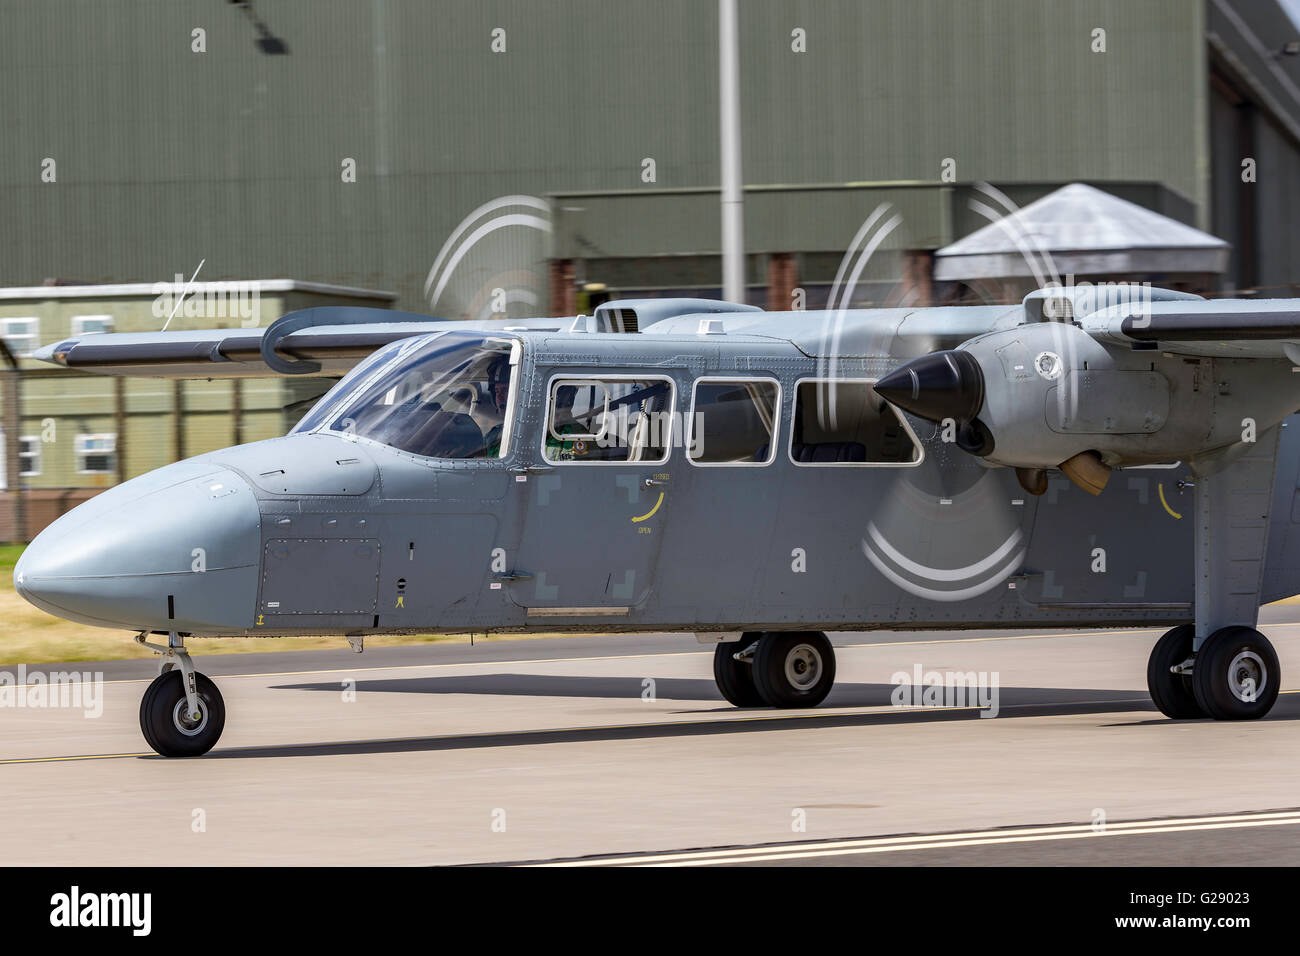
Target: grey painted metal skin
{"type": "Point", "coordinates": [322, 533]}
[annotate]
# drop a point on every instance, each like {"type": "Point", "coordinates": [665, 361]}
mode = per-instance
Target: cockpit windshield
{"type": "Point", "coordinates": [329, 403]}
{"type": "Point", "coordinates": [448, 398]}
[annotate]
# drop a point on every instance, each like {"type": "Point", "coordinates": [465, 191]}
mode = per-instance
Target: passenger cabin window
{"type": "Point", "coordinates": [450, 398]}
{"type": "Point", "coordinates": [609, 420]}
{"type": "Point", "coordinates": [847, 423]}
{"type": "Point", "coordinates": [733, 422]}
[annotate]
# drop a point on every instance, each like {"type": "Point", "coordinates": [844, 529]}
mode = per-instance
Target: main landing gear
{"type": "Point", "coordinates": [775, 668]}
{"type": "Point", "coordinates": [182, 713]}
{"type": "Point", "coordinates": [1232, 673]}
{"type": "Point", "coordinates": [1233, 676]}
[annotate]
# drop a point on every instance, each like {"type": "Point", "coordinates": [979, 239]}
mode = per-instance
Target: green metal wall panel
{"type": "Point", "coordinates": [165, 156]}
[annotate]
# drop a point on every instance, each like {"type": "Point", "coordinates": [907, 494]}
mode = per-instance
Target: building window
{"type": "Point", "coordinates": [22, 336]}
{"type": "Point", "coordinates": [733, 421]}
{"type": "Point", "coordinates": [89, 324]}
{"type": "Point", "coordinates": [29, 456]}
{"type": "Point", "coordinates": [839, 422]}
{"type": "Point", "coordinates": [96, 454]}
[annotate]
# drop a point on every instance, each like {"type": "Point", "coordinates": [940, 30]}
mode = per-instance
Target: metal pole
{"type": "Point", "coordinates": [13, 426]}
{"type": "Point", "coordinates": [733, 197]}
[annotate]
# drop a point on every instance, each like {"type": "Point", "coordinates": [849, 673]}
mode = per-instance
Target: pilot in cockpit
{"type": "Point", "coordinates": [493, 423]}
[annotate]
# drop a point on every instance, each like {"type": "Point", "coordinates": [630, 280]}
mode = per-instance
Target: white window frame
{"type": "Point", "coordinates": [79, 321]}
{"type": "Point", "coordinates": [81, 452]}
{"type": "Point", "coordinates": [794, 414]}
{"type": "Point", "coordinates": [776, 421]}
{"type": "Point", "coordinates": [7, 323]}
{"type": "Point", "coordinates": [570, 379]}
{"type": "Point", "coordinates": [512, 400]}
{"type": "Point", "coordinates": [556, 385]}
{"type": "Point", "coordinates": [33, 456]}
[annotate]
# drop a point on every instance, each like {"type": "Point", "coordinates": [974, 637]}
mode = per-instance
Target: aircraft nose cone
{"type": "Point", "coordinates": [176, 549]}
{"type": "Point", "coordinates": [937, 386]}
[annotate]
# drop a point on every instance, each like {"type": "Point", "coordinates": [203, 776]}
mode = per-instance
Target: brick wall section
{"type": "Point", "coordinates": [563, 294]}
{"type": "Point", "coordinates": [917, 288]}
{"type": "Point", "coordinates": [43, 506]}
{"type": "Point", "coordinates": [782, 279]}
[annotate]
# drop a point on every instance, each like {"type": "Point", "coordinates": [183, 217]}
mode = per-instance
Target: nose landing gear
{"type": "Point", "coordinates": [182, 713]}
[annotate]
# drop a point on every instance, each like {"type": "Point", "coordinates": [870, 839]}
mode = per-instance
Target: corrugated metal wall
{"type": "Point", "coordinates": [165, 156]}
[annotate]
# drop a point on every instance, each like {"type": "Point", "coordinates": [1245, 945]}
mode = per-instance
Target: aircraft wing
{"type": "Point", "coordinates": [319, 341]}
{"type": "Point", "coordinates": [1236, 328]}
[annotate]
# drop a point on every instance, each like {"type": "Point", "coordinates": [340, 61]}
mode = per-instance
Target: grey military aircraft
{"type": "Point", "coordinates": [756, 478]}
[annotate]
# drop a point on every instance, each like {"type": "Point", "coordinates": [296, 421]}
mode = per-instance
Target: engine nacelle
{"type": "Point", "coordinates": [1048, 395]}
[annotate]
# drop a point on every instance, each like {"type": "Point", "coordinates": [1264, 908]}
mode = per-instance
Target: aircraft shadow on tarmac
{"type": "Point", "coordinates": [673, 689]}
{"type": "Point", "coordinates": [1014, 702]}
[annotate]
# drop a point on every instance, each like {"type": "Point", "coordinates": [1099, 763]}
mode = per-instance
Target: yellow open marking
{"type": "Point", "coordinates": [651, 512]}
{"type": "Point", "coordinates": [1161, 488]}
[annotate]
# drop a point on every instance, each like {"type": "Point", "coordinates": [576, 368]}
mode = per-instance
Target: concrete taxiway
{"type": "Point", "coordinates": [621, 747]}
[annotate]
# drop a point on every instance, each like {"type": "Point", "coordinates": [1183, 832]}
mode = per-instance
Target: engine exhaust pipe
{"type": "Point", "coordinates": [1087, 471]}
{"type": "Point", "coordinates": [1033, 480]}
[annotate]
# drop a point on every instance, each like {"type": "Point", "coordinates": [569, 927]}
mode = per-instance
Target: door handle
{"type": "Point", "coordinates": [654, 482]}
{"type": "Point", "coordinates": [513, 576]}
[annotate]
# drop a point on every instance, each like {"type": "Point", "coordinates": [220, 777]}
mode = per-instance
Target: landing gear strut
{"type": "Point", "coordinates": [182, 713]}
{"type": "Point", "coordinates": [1168, 679]}
{"type": "Point", "coordinates": [733, 670]}
{"type": "Point", "coordinates": [776, 668]}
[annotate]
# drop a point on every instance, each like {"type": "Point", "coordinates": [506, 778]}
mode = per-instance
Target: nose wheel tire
{"type": "Point", "coordinates": [1237, 675]}
{"type": "Point", "coordinates": [735, 679]}
{"type": "Point", "coordinates": [794, 669]}
{"type": "Point", "coordinates": [168, 726]}
{"type": "Point", "coordinates": [1172, 693]}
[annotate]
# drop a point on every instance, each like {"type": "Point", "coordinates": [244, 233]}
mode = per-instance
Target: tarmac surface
{"type": "Point", "coordinates": [620, 750]}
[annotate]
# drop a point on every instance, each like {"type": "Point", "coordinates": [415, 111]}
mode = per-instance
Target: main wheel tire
{"type": "Point", "coordinates": [735, 679]}
{"type": "Point", "coordinates": [1237, 674]}
{"type": "Point", "coordinates": [794, 669]}
{"type": "Point", "coordinates": [165, 724]}
{"type": "Point", "coordinates": [1172, 693]}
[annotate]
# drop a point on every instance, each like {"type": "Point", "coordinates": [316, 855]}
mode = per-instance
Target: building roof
{"type": "Point", "coordinates": [261, 286]}
{"type": "Point", "coordinates": [1081, 230]}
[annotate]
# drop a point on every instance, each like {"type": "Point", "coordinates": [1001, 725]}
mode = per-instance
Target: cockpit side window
{"type": "Point", "coordinates": [609, 419]}
{"type": "Point", "coordinates": [450, 398]}
{"type": "Point", "coordinates": [733, 421]}
{"type": "Point", "coordinates": [844, 422]}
